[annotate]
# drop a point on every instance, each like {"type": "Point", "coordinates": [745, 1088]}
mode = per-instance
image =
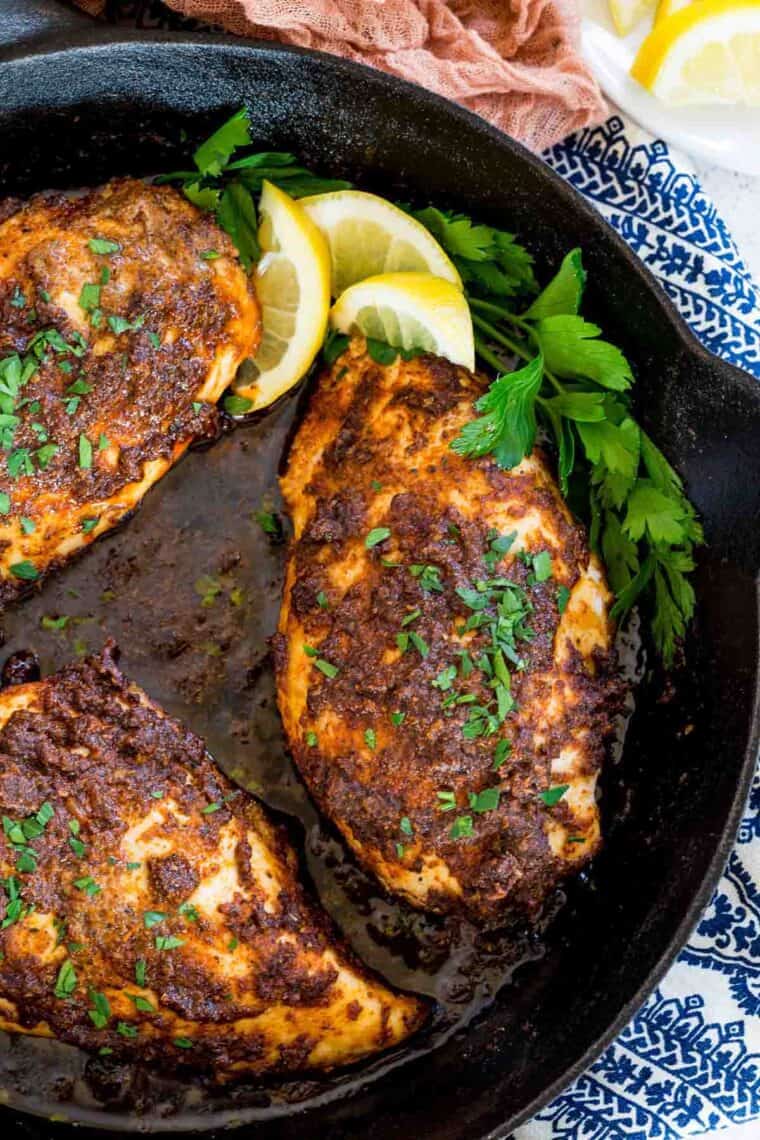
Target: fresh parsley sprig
{"type": "Point", "coordinates": [226, 185]}
{"type": "Point", "coordinates": [576, 386]}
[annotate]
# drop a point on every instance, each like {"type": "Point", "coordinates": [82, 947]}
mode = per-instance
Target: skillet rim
{"type": "Point", "coordinates": [82, 36]}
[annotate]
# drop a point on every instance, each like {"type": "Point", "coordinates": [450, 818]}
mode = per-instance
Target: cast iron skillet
{"type": "Point", "coordinates": [79, 104]}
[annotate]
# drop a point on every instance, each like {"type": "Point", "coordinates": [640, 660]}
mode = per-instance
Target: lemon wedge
{"type": "Point", "coordinates": [708, 52]}
{"type": "Point", "coordinates": [292, 282]}
{"type": "Point", "coordinates": [368, 235]}
{"type": "Point", "coordinates": [666, 8]}
{"type": "Point", "coordinates": [409, 310]}
{"type": "Point", "coordinates": [626, 14]}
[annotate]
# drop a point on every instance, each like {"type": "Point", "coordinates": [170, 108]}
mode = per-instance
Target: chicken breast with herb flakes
{"type": "Point", "coordinates": [443, 656]}
{"type": "Point", "coordinates": [151, 909]}
{"type": "Point", "coordinates": [124, 315]}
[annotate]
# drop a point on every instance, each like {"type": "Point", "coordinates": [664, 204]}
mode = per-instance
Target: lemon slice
{"type": "Point", "coordinates": [409, 310]}
{"type": "Point", "coordinates": [667, 8]}
{"type": "Point", "coordinates": [709, 52]}
{"type": "Point", "coordinates": [368, 236]}
{"type": "Point", "coordinates": [626, 14]}
{"type": "Point", "coordinates": [293, 288]}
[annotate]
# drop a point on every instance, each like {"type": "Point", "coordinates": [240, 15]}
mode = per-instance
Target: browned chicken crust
{"type": "Point", "coordinates": [124, 314]}
{"type": "Point", "coordinates": [396, 710]}
{"type": "Point", "coordinates": [151, 909]}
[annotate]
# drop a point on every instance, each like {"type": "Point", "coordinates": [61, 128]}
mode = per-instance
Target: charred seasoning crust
{"type": "Point", "coordinates": [104, 758]}
{"type": "Point", "coordinates": [175, 284]}
{"type": "Point", "coordinates": [437, 515]}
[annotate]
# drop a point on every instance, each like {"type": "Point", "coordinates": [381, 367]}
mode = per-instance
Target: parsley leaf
{"type": "Point", "coordinates": [571, 348]}
{"type": "Point", "coordinates": [236, 214]}
{"type": "Point", "coordinates": [213, 155]}
{"type": "Point", "coordinates": [564, 292]}
{"type": "Point", "coordinates": [507, 426]}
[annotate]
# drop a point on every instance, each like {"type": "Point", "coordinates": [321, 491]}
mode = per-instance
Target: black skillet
{"type": "Point", "coordinates": [81, 103]}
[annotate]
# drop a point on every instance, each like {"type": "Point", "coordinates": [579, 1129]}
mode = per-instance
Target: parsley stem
{"type": "Point", "coordinates": [482, 349]}
{"type": "Point", "coordinates": [501, 338]}
{"type": "Point", "coordinates": [489, 307]}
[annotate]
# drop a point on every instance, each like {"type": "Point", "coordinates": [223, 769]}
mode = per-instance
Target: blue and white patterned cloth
{"type": "Point", "coordinates": [688, 1064]}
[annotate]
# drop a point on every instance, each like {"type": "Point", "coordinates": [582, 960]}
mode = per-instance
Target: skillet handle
{"type": "Point", "coordinates": [23, 22]}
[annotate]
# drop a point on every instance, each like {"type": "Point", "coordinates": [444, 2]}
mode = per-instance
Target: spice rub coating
{"type": "Point", "coordinates": [124, 314]}
{"type": "Point", "coordinates": [151, 909]}
{"type": "Point", "coordinates": [444, 648]}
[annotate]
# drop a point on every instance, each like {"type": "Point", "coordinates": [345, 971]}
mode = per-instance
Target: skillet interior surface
{"type": "Point", "coordinates": [78, 116]}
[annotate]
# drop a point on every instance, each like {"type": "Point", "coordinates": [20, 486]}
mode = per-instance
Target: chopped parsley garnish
{"type": "Point", "coordinates": [140, 977]}
{"type": "Point", "coordinates": [139, 1002]}
{"type": "Point", "coordinates": [237, 405]}
{"type": "Point", "coordinates": [419, 644]}
{"type": "Point", "coordinates": [119, 325]}
{"type": "Point", "coordinates": [376, 485]}
{"type": "Point", "coordinates": [24, 570]}
{"type": "Point", "coordinates": [410, 617]}
{"type": "Point", "coordinates": [20, 833]}
{"type": "Point", "coordinates": [18, 300]}
{"type": "Point", "coordinates": [103, 245]}
{"type": "Point", "coordinates": [124, 1029]}
{"type": "Point", "coordinates": [311, 739]}
{"type": "Point", "coordinates": [370, 739]}
{"type": "Point", "coordinates": [462, 827]}
{"type": "Point", "coordinates": [44, 454]}
{"type": "Point", "coordinates": [398, 718]}
{"type": "Point", "coordinates": [182, 1042]}
{"type": "Point", "coordinates": [487, 800]}
{"type": "Point", "coordinates": [103, 442]}
{"type": "Point", "coordinates": [89, 525]}
{"type": "Point", "coordinates": [268, 522]}
{"type": "Point", "coordinates": [501, 754]}
{"type": "Point", "coordinates": [400, 850]}
{"type": "Point", "coordinates": [89, 297]}
{"type": "Point", "coordinates": [15, 910]}
{"type": "Point", "coordinates": [5, 503]}
{"type": "Point", "coordinates": [101, 1010]}
{"type": "Point", "coordinates": [66, 982]}
{"type": "Point", "coordinates": [210, 254]}
{"type": "Point", "coordinates": [85, 453]}
{"type": "Point", "coordinates": [188, 911]}
{"type": "Point", "coordinates": [322, 601]}
{"type": "Point", "coordinates": [209, 590]}
{"type": "Point", "coordinates": [28, 526]}
{"type": "Point", "coordinates": [445, 678]}
{"type": "Point", "coordinates": [233, 944]}
{"type": "Point", "coordinates": [88, 885]}
{"type": "Point", "coordinates": [563, 597]}
{"type": "Point", "coordinates": [428, 577]}
{"type": "Point", "coordinates": [168, 942]}
{"type": "Point", "coordinates": [542, 566]}
{"type": "Point", "coordinates": [326, 667]}
{"type": "Point", "coordinates": [447, 801]}
{"type": "Point", "coordinates": [153, 917]}
{"type": "Point", "coordinates": [499, 546]}
{"type": "Point", "coordinates": [405, 825]}
{"type": "Point", "coordinates": [553, 795]}
{"type": "Point", "coordinates": [377, 535]}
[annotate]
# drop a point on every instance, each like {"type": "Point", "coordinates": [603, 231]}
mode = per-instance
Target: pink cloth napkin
{"type": "Point", "coordinates": [515, 62]}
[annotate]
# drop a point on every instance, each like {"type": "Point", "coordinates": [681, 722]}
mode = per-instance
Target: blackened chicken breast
{"type": "Point", "coordinates": [124, 314]}
{"type": "Point", "coordinates": [444, 648]}
{"type": "Point", "coordinates": [150, 908]}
